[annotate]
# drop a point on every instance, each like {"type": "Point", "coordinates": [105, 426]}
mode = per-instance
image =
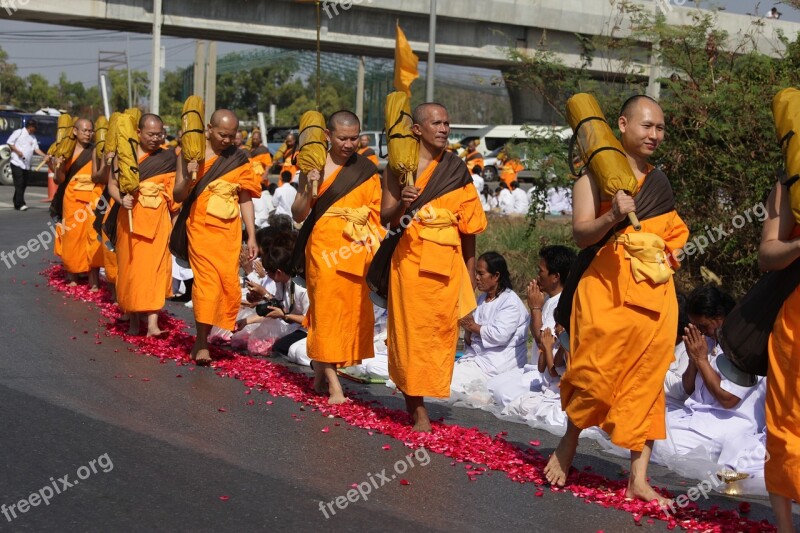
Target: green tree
{"type": "Point", "coordinates": [10, 83]}
{"type": "Point", "coordinates": [118, 80]}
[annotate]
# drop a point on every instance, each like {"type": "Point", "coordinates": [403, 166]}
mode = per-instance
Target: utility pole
{"type": "Point", "coordinates": [360, 90]}
{"type": "Point", "coordinates": [431, 53]}
{"type": "Point", "coordinates": [155, 83]}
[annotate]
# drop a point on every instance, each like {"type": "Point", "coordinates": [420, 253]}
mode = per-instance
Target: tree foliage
{"type": "Point", "coordinates": [720, 150]}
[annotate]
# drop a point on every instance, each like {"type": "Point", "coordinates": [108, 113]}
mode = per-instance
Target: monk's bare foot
{"type": "Point", "coordinates": [202, 357]}
{"type": "Point", "coordinates": [643, 491]}
{"type": "Point", "coordinates": [72, 284]}
{"type": "Point", "coordinates": [422, 424]}
{"type": "Point", "coordinates": [337, 398]}
{"type": "Point", "coordinates": [94, 288]}
{"type": "Point", "coordinates": [154, 332]}
{"type": "Point", "coordinates": [334, 385]}
{"type": "Point", "coordinates": [558, 466]}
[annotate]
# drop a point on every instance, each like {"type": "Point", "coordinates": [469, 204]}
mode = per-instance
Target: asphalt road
{"type": "Point", "coordinates": [164, 457]}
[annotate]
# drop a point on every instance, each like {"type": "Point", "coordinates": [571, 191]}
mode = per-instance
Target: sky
{"type": "Point", "coordinates": [49, 49]}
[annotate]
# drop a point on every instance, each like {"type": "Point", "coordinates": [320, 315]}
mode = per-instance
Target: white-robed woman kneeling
{"type": "Point", "coordinates": [496, 333]}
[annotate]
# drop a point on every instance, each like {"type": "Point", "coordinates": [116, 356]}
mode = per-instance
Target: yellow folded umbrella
{"type": "Point", "coordinates": [136, 113]}
{"type": "Point", "coordinates": [193, 140]}
{"type": "Point", "coordinates": [600, 149]}
{"type": "Point", "coordinates": [786, 113]}
{"type": "Point", "coordinates": [68, 140]}
{"type": "Point", "coordinates": [402, 144]}
{"type": "Point", "coordinates": [110, 145]}
{"type": "Point", "coordinates": [100, 131]}
{"type": "Point", "coordinates": [313, 145]}
{"type": "Point", "coordinates": [127, 144]}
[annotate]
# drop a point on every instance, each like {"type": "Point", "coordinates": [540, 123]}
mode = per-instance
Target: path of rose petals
{"type": "Point", "coordinates": [462, 444]}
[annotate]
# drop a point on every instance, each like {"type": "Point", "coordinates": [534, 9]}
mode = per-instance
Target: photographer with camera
{"type": "Point", "coordinates": [290, 303]}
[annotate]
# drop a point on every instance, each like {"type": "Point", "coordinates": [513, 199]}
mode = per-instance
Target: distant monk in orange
{"type": "Point", "coordinates": [366, 150]}
{"type": "Point", "coordinates": [472, 156]}
{"type": "Point", "coordinates": [508, 173]}
{"type": "Point", "coordinates": [432, 274]}
{"type": "Point", "coordinates": [210, 216]}
{"type": "Point", "coordinates": [144, 264]}
{"type": "Point", "coordinates": [81, 182]}
{"type": "Point", "coordinates": [286, 161]}
{"type": "Point", "coordinates": [625, 310]}
{"type": "Point", "coordinates": [779, 249]}
{"type": "Point", "coordinates": [260, 157]}
{"type": "Point", "coordinates": [335, 247]}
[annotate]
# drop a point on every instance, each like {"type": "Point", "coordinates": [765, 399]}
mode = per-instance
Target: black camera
{"type": "Point", "coordinates": [263, 309]}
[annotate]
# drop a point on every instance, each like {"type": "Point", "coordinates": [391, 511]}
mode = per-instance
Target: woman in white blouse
{"type": "Point", "coordinates": [496, 333]}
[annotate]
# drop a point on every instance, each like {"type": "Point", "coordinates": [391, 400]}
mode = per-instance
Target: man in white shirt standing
{"type": "Point", "coordinates": [23, 144]}
{"type": "Point", "coordinates": [284, 195]}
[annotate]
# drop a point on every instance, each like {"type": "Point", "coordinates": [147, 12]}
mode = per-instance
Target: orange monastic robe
{"type": "Point", "coordinates": [80, 249]}
{"type": "Point", "coordinates": [510, 170]}
{"type": "Point", "coordinates": [144, 277]}
{"type": "Point", "coordinates": [261, 160]}
{"type": "Point", "coordinates": [369, 153]}
{"type": "Point", "coordinates": [288, 164]}
{"type": "Point", "coordinates": [623, 341]}
{"type": "Point", "coordinates": [424, 292]}
{"type": "Point", "coordinates": [782, 470]}
{"type": "Point", "coordinates": [338, 294]}
{"type": "Point", "coordinates": [472, 159]}
{"type": "Point", "coordinates": [214, 247]}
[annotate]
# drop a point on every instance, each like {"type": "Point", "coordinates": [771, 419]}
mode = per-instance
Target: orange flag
{"type": "Point", "coordinates": [405, 63]}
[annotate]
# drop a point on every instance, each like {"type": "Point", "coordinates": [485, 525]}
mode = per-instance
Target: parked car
{"type": "Point", "coordinates": [11, 121]}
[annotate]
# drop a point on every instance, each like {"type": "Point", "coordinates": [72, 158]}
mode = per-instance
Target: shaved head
{"type": "Point", "coordinates": [422, 111]}
{"type": "Point", "coordinates": [632, 103]}
{"type": "Point", "coordinates": [150, 118]}
{"type": "Point", "coordinates": [224, 118]}
{"type": "Point", "coordinates": [343, 118]}
{"type": "Point", "coordinates": [82, 124]}
{"type": "Point", "coordinates": [223, 127]}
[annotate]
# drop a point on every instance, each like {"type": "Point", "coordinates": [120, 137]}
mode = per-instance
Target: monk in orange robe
{"type": "Point", "coordinates": [623, 318]}
{"type": "Point", "coordinates": [367, 151]}
{"type": "Point", "coordinates": [260, 157]}
{"type": "Point", "coordinates": [472, 156]}
{"type": "Point", "coordinates": [144, 277]}
{"type": "Point", "coordinates": [336, 246]}
{"type": "Point", "coordinates": [210, 216]}
{"type": "Point", "coordinates": [286, 161]}
{"type": "Point", "coordinates": [81, 181]}
{"type": "Point", "coordinates": [779, 249]}
{"type": "Point", "coordinates": [509, 172]}
{"type": "Point", "coordinates": [432, 274]}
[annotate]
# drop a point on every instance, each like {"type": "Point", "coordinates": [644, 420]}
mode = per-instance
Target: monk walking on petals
{"type": "Point", "coordinates": [210, 218]}
{"type": "Point", "coordinates": [625, 311]}
{"type": "Point", "coordinates": [82, 179]}
{"type": "Point", "coordinates": [144, 265]}
{"type": "Point", "coordinates": [778, 250]}
{"type": "Point", "coordinates": [336, 245]}
{"type": "Point", "coordinates": [433, 266]}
